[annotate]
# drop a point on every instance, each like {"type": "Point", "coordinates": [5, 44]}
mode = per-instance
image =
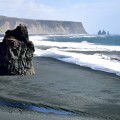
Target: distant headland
{"type": "Point", "coordinates": [42, 26]}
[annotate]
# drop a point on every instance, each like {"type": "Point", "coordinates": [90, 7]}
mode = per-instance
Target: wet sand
{"type": "Point", "coordinates": [87, 93]}
{"type": "Point", "coordinates": [15, 114]}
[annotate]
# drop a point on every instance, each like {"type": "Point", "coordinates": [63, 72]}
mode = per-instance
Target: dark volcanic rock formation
{"type": "Point", "coordinates": [16, 52]}
{"type": "Point", "coordinates": [101, 32]}
{"type": "Point", "coordinates": [42, 26]}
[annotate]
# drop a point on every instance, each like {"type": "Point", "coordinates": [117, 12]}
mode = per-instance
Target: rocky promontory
{"type": "Point", "coordinates": [42, 26]}
{"type": "Point", "coordinates": [16, 52]}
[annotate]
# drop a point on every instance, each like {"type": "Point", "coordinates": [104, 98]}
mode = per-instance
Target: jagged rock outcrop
{"type": "Point", "coordinates": [42, 26]}
{"type": "Point", "coordinates": [16, 52]}
{"type": "Point", "coordinates": [102, 32]}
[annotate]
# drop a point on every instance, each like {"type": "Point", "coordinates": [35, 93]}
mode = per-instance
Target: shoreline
{"type": "Point", "coordinates": [27, 106]}
{"type": "Point", "coordinates": [65, 86]}
{"type": "Point", "coordinates": [17, 114]}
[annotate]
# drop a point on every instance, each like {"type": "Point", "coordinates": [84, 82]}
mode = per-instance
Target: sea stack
{"type": "Point", "coordinates": [16, 52]}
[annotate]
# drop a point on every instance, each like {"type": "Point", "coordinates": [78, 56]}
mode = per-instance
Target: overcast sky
{"type": "Point", "coordinates": [94, 14]}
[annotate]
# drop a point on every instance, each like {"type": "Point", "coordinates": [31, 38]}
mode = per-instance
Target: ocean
{"type": "Point", "coordinates": [98, 52]}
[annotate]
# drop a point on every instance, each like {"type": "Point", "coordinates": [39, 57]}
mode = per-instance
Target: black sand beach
{"type": "Point", "coordinates": [87, 93]}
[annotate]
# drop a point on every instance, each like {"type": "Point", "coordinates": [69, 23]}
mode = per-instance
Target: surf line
{"type": "Point", "coordinates": [26, 106]}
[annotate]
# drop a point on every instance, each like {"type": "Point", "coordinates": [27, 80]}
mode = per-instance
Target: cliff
{"type": "Point", "coordinates": [42, 26]}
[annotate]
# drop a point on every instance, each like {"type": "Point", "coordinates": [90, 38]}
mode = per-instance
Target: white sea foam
{"type": "Point", "coordinates": [59, 50]}
{"type": "Point", "coordinates": [96, 62]}
{"type": "Point", "coordinates": [81, 46]}
{"type": "Point", "coordinates": [37, 37]}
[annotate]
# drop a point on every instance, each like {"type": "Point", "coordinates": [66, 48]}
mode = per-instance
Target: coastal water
{"type": "Point", "coordinates": [96, 52]}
